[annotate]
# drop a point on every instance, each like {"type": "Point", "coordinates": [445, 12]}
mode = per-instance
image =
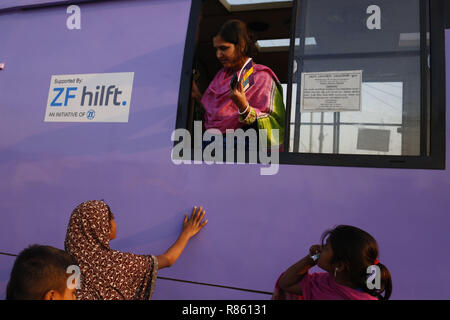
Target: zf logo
{"type": "Point", "coordinates": [90, 114]}
{"type": "Point", "coordinates": [101, 97]}
{"type": "Point", "coordinates": [374, 279]}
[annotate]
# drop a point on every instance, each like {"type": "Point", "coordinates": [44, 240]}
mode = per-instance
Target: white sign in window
{"type": "Point", "coordinates": [331, 91]}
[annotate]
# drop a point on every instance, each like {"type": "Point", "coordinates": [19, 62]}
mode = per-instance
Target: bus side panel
{"type": "Point", "coordinates": [9, 4]}
{"type": "Point", "coordinates": [6, 263]}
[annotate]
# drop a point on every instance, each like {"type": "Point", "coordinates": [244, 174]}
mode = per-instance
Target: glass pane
{"type": "Point", "coordinates": [359, 82]}
{"type": "Point", "coordinates": [378, 140]}
{"type": "Point", "coordinates": [316, 139]}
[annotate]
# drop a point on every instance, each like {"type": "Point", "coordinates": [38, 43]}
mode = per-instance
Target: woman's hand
{"type": "Point", "coordinates": [194, 224]}
{"type": "Point", "coordinates": [237, 95]}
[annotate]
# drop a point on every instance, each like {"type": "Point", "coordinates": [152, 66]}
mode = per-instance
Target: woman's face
{"type": "Point", "coordinates": [227, 53]}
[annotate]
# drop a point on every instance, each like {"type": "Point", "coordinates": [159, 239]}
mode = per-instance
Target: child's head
{"type": "Point", "coordinates": [39, 273]}
{"type": "Point", "coordinates": [351, 250]}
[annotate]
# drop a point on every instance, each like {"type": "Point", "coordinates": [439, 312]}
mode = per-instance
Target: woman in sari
{"type": "Point", "coordinates": [108, 274]}
{"type": "Point", "coordinates": [260, 107]}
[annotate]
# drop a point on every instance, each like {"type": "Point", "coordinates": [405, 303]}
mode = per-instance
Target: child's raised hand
{"type": "Point", "coordinates": [317, 248]}
{"type": "Point", "coordinates": [194, 224]}
{"type": "Point", "coordinates": [191, 227]}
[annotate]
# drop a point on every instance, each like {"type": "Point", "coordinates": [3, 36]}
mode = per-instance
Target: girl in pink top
{"type": "Point", "coordinates": [345, 256]}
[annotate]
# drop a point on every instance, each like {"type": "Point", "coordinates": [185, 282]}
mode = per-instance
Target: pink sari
{"type": "Point", "coordinates": [221, 113]}
{"type": "Point", "coordinates": [322, 286]}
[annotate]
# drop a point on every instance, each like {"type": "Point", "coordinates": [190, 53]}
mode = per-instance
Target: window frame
{"type": "Point", "coordinates": [437, 123]}
{"type": "Point", "coordinates": [447, 15]}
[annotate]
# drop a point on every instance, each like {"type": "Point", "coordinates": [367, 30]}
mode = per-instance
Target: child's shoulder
{"type": "Point", "coordinates": [317, 277]}
{"type": "Point", "coordinates": [320, 275]}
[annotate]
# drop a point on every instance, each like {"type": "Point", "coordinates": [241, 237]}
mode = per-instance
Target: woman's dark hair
{"type": "Point", "coordinates": [358, 250]}
{"type": "Point", "coordinates": [235, 32]}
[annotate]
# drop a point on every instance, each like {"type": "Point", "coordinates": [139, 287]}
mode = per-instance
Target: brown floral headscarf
{"type": "Point", "coordinates": [106, 273]}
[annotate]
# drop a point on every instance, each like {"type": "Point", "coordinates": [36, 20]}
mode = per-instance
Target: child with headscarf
{"type": "Point", "coordinates": [108, 274]}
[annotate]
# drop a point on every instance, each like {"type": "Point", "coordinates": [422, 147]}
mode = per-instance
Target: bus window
{"type": "Point", "coordinates": [269, 27]}
{"type": "Point", "coordinates": [361, 85]}
{"type": "Point", "coordinates": [356, 76]}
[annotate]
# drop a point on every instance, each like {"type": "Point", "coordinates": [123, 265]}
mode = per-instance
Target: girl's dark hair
{"type": "Point", "coordinates": [235, 32]}
{"type": "Point", "coordinates": [358, 250]}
